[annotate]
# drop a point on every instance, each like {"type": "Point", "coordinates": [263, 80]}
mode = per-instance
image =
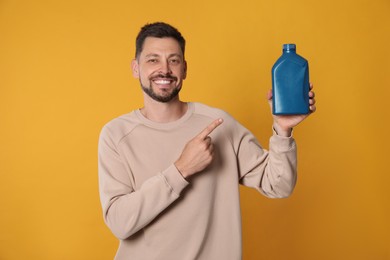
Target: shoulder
{"type": "Point", "coordinates": [229, 123]}
{"type": "Point", "coordinates": [230, 126]}
{"type": "Point", "coordinates": [119, 127]}
{"type": "Point", "coordinates": [212, 112]}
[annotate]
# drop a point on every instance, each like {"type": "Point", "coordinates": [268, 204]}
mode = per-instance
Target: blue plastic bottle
{"type": "Point", "coordinates": [290, 83]}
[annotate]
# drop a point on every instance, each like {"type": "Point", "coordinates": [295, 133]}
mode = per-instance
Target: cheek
{"type": "Point", "coordinates": [181, 73]}
{"type": "Point", "coordinates": [143, 74]}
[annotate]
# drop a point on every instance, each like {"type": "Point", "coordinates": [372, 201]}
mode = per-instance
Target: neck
{"type": "Point", "coordinates": [163, 112]}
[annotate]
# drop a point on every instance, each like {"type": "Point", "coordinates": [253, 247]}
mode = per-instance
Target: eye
{"type": "Point", "coordinates": [153, 60]}
{"type": "Point", "coordinates": [174, 61]}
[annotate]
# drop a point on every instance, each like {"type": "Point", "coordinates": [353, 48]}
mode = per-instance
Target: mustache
{"type": "Point", "coordinates": [163, 76]}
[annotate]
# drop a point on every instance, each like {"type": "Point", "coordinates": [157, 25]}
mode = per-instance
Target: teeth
{"type": "Point", "coordinates": [163, 82]}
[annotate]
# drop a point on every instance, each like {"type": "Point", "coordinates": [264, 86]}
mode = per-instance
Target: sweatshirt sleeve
{"type": "Point", "coordinates": [273, 172]}
{"type": "Point", "coordinates": [125, 209]}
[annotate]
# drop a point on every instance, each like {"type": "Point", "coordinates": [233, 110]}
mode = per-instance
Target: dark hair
{"type": "Point", "coordinates": [158, 30]}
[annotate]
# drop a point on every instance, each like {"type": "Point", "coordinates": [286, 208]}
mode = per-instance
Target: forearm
{"type": "Point", "coordinates": [280, 174]}
{"type": "Point", "coordinates": [126, 214]}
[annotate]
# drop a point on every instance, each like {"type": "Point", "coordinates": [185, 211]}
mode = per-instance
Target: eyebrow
{"type": "Point", "coordinates": [170, 56]}
{"type": "Point", "coordinates": [151, 55]}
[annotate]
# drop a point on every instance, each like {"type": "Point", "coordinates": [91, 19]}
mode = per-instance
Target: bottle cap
{"type": "Point", "coordinates": [289, 47]}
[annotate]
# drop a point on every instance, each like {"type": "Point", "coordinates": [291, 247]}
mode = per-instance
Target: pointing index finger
{"type": "Point", "coordinates": [210, 128]}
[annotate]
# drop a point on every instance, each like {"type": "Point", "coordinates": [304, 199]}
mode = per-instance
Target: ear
{"type": "Point", "coordinates": [135, 68]}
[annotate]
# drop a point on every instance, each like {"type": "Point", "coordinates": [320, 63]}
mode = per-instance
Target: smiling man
{"type": "Point", "coordinates": [169, 172]}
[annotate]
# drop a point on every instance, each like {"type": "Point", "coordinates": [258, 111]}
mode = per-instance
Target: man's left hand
{"type": "Point", "coordinates": [283, 124]}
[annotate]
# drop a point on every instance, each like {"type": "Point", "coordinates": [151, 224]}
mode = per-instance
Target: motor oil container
{"type": "Point", "coordinates": [290, 83]}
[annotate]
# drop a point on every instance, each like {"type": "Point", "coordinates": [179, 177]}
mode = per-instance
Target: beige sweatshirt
{"type": "Point", "coordinates": [156, 213]}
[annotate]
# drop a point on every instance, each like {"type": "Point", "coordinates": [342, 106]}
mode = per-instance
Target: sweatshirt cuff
{"type": "Point", "coordinates": [174, 179]}
{"type": "Point", "coordinates": [282, 144]}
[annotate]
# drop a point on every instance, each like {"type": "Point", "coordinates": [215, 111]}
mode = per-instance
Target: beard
{"type": "Point", "coordinates": [166, 97]}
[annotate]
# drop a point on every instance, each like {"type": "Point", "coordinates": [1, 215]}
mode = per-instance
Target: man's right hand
{"type": "Point", "coordinates": [198, 152]}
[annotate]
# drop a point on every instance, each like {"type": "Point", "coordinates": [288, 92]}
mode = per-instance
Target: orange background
{"type": "Point", "coordinates": [65, 72]}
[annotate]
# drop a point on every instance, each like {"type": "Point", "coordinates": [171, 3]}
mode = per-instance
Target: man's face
{"type": "Point", "coordinates": [160, 68]}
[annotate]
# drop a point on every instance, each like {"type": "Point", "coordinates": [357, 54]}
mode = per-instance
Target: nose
{"type": "Point", "coordinates": [165, 68]}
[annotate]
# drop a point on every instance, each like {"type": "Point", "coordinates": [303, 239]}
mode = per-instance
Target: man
{"type": "Point", "coordinates": [169, 172]}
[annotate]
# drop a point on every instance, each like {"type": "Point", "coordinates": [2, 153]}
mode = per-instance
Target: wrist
{"type": "Point", "coordinates": [181, 170]}
{"type": "Point", "coordinates": [280, 131]}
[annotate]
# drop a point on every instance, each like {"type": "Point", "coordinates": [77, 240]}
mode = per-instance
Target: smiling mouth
{"type": "Point", "coordinates": [163, 81]}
